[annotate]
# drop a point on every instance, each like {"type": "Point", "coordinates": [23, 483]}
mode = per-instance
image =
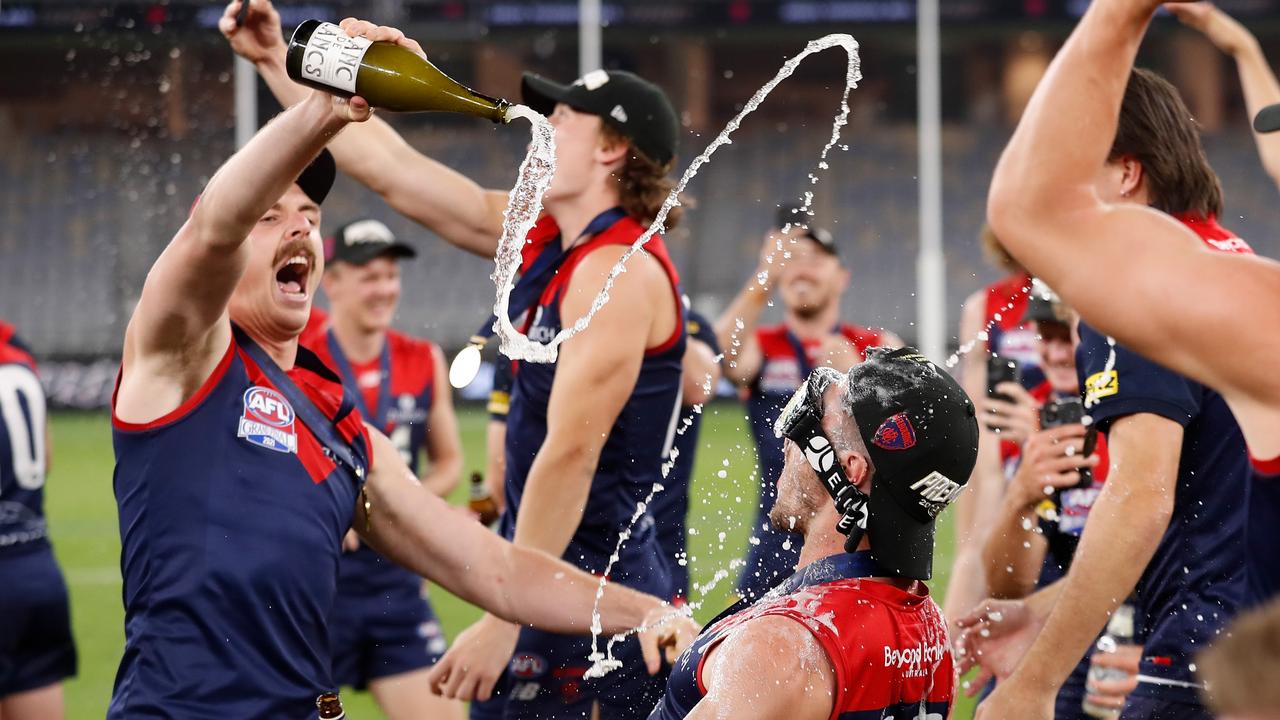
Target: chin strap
{"type": "Point", "coordinates": [852, 504]}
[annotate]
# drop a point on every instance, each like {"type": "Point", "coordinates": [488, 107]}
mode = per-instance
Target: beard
{"type": "Point", "coordinates": [810, 310]}
{"type": "Point", "coordinates": [793, 510]}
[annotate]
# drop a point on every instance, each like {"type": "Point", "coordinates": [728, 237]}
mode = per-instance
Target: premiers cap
{"type": "Point", "coordinates": [317, 178]}
{"type": "Point", "coordinates": [1268, 119]}
{"type": "Point", "coordinates": [795, 214]}
{"type": "Point", "coordinates": [626, 102]}
{"type": "Point", "coordinates": [360, 241]}
{"type": "Point", "coordinates": [1044, 305]}
{"type": "Point", "coordinates": [921, 433]}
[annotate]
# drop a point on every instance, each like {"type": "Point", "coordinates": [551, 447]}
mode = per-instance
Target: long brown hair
{"type": "Point", "coordinates": [1157, 129]}
{"type": "Point", "coordinates": [643, 184]}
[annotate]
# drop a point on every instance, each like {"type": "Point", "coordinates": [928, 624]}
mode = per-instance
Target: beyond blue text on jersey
{"type": "Point", "coordinates": [382, 624]}
{"type": "Point", "coordinates": [36, 649]}
{"type": "Point", "coordinates": [1195, 582]}
{"type": "Point", "coordinates": [231, 519]}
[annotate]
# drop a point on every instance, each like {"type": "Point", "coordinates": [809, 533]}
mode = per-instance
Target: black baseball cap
{"type": "Point", "coordinates": [1044, 305]}
{"type": "Point", "coordinates": [798, 217]}
{"type": "Point", "coordinates": [317, 178]}
{"type": "Point", "coordinates": [625, 101]}
{"type": "Point", "coordinates": [921, 433]}
{"type": "Point", "coordinates": [360, 241]}
{"type": "Point", "coordinates": [1268, 119]}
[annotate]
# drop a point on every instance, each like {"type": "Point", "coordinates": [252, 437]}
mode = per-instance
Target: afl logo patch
{"type": "Point", "coordinates": [268, 420]}
{"type": "Point", "coordinates": [527, 666]}
{"type": "Point", "coordinates": [896, 433]}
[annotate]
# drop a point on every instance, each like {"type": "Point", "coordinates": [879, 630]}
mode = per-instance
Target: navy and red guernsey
{"type": "Point", "coordinates": [631, 461]}
{"type": "Point", "coordinates": [1196, 581]}
{"type": "Point", "coordinates": [787, 361]}
{"type": "Point", "coordinates": [888, 648]}
{"type": "Point", "coordinates": [36, 646]}
{"type": "Point", "coordinates": [670, 507]}
{"type": "Point", "coordinates": [1263, 531]}
{"type": "Point", "coordinates": [545, 676]}
{"type": "Point", "coordinates": [1009, 335]}
{"type": "Point", "coordinates": [22, 449]}
{"type": "Point", "coordinates": [231, 519]}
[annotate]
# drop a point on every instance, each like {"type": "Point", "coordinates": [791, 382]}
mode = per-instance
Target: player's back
{"type": "Point", "coordinates": [888, 647]}
{"type": "Point", "coordinates": [231, 515]}
{"type": "Point", "coordinates": [22, 449]}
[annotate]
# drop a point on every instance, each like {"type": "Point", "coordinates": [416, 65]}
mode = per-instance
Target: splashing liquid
{"type": "Point", "coordinates": [525, 200]}
{"type": "Point", "coordinates": [516, 345]}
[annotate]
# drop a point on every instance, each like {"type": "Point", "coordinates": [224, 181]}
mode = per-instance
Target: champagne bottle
{"type": "Point", "coordinates": [482, 503]}
{"type": "Point", "coordinates": [388, 76]}
{"type": "Point", "coordinates": [330, 706]}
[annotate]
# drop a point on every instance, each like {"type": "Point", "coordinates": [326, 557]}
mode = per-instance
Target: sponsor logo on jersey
{"type": "Point", "coordinates": [527, 665]}
{"type": "Point", "coordinates": [896, 433]}
{"type": "Point", "coordinates": [1100, 385]}
{"type": "Point", "coordinates": [268, 420]}
{"type": "Point", "coordinates": [936, 491]}
{"type": "Point", "coordinates": [780, 375]}
{"type": "Point", "coordinates": [916, 661]}
{"type": "Point", "coordinates": [406, 411]}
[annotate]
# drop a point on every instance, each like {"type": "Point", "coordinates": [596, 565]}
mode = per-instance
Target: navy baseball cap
{"type": "Point", "coordinates": [795, 214]}
{"type": "Point", "coordinates": [360, 241]}
{"type": "Point", "coordinates": [624, 101]}
{"type": "Point", "coordinates": [317, 178]}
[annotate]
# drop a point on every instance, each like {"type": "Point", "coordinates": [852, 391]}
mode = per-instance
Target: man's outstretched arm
{"type": "Point", "coordinates": [1132, 272]}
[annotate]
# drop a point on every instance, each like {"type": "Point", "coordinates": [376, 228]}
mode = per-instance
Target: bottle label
{"type": "Point", "coordinates": [332, 58]}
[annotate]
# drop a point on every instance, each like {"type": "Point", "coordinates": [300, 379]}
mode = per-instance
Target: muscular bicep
{"type": "Point", "coordinates": [770, 668]}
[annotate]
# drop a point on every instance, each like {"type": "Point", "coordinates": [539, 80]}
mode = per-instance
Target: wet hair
{"type": "Point", "coordinates": [995, 253]}
{"type": "Point", "coordinates": [1157, 129]}
{"type": "Point", "coordinates": [643, 184]}
{"type": "Point", "coordinates": [1241, 666]}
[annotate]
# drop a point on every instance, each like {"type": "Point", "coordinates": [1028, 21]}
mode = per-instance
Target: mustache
{"type": "Point", "coordinates": [296, 246]}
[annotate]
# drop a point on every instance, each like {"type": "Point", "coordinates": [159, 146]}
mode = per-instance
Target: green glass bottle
{"type": "Point", "coordinates": [388, 76]}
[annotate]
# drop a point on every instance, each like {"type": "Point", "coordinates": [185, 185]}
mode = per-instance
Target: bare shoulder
{"type": "Point", "coordinates": [155, 383]}
{"type": "Point", "coordinates": [772, 662]}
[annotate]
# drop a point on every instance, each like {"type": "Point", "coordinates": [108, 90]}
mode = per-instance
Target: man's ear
{"type": "Point", "coordinates": [612, 151]}
{"type": "Point", "coordinates": [856, 468]}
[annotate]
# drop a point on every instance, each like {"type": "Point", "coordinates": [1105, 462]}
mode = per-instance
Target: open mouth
{"type": "Point", "coordinates": [292, 276]}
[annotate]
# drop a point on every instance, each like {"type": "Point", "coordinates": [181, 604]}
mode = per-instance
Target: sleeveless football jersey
{"type": "Point", "coordinates": [394, 393]}
{"type": "Point", "coordinates": [631, 459]}
{"type": "Point", "coordinates": [231, 519]}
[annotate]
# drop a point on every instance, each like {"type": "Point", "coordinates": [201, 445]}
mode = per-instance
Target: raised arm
{"type": "Point", "coordinates": [1125, 526]}
{"type": "Point", "coordinates": [1256, 77]}
{"type": "Point", "coordinates": [444, 447]}
{"type": "Point", "coordinates": [1015, 548]}
{"type": "Point", "coordinates": [178, 332]}
{"type": "Point", "coordinates": [736, 326]}
{"type": "Point", "coordinates": [441, 199]}
{"type": "Point", "coordinates": [1044, 208]}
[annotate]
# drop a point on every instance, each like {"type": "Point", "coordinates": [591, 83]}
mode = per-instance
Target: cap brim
{"type": "Point", "coordinates": [317, 178]}
{"type": "Point", "coordinates": [372, 251]}
{"type": "Point", "coordinates": [900, 544]}
{"type": "Point", "coordinates": [541, 94]}
{"type": "Point", "coordinates": [1268, 119]}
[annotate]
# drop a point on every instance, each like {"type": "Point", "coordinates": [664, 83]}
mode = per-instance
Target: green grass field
{"type": "Point", "coordinates": [82, 516]}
